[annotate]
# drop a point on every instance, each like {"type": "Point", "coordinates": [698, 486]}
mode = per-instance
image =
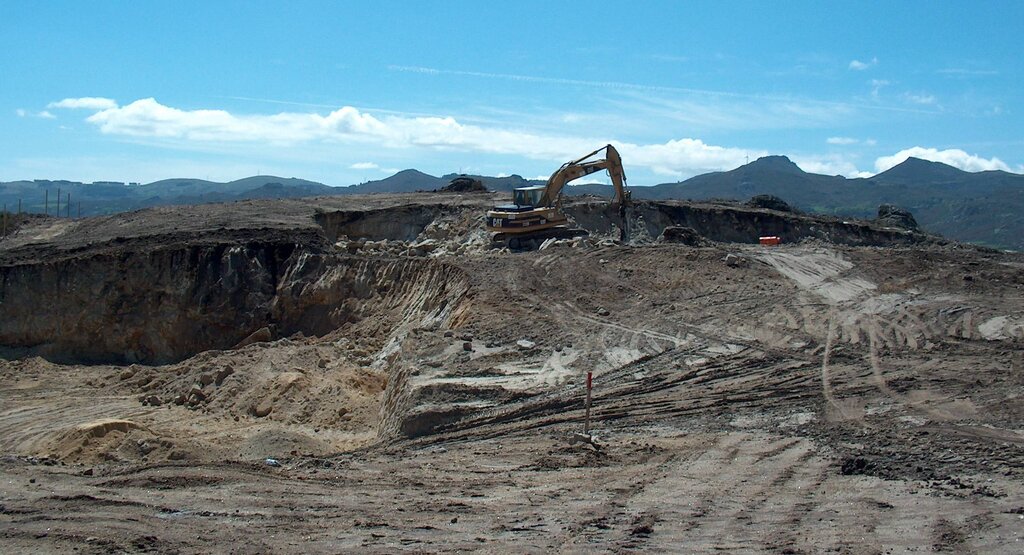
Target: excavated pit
{"type": "Point", "coordinates": [400, 223]}
{"type": "Point", "coordinates": [164, 305]}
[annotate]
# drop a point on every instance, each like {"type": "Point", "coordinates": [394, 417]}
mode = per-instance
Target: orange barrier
{"type": "Point", "coordinates": [770, 240]}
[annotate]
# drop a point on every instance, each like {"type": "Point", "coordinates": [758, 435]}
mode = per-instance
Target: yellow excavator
{"type": "Point", "coordinates": [535, 213]}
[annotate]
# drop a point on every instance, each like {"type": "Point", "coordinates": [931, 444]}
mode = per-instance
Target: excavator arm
{"type": "Point", "coordinates": [578, 168]}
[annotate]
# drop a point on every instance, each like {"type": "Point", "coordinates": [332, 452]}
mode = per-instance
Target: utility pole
{"type": "Point", "coordinates": [586, 421]}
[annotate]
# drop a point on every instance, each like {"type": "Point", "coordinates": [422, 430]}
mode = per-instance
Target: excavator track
{"type": "Point", "coordinates": [534, 239]}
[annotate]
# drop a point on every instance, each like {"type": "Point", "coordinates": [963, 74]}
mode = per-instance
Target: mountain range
{"type": "Point", "coordinates": [109, 197]}
{"type": "Point", "coordinates": [982, 207]}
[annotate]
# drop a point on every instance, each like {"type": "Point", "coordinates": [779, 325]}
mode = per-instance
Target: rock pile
{"type": "Point", "coordinates": [771, 202]}
{"type": "Point", "coordinates": [682, 235]}
{"type": "Point", "coordinates": [464, 184]}
{"type": "Point", "coordinates": [893, 216]}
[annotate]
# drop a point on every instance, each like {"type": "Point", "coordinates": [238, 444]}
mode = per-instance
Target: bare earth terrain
{"type": "Point", "coordinates": [368, 375]}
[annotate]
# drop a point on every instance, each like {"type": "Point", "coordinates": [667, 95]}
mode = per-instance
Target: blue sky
{"type": "Point", "coordinates": [343, 92]}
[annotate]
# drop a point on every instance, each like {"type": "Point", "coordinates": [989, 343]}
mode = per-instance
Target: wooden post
{"type": "Point", "coordinates": [586, 421]}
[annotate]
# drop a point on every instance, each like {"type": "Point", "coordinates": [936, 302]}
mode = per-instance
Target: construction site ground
{"type": "Point", "coordinates": [812, 397]}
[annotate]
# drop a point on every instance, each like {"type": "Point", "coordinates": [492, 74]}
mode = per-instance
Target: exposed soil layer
{"type": "Point", "coordinates": [169, 303]}
{"type": "Point", "coordinates": [735, 223]}
{"type": "Point", "coordinates": [370, 374]}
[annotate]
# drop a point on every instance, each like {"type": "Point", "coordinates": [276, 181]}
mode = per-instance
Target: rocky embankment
{"type": "Point", "coordinates": [735, 223]}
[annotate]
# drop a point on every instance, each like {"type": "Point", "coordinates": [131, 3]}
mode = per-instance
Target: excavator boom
{"type": "Point", "coordinates": [581, 167]}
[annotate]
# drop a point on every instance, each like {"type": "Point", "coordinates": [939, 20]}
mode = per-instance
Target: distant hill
{"type": "Point", "coordinates": [173, 188]}
{"type": "Point", "coordinates": [405, 181]}
{"type": "Point", "coordinates": [107, 197]}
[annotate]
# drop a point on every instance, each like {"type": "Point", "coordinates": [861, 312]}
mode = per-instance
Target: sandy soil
{"type": "Point", "coordinates": [801, 399]}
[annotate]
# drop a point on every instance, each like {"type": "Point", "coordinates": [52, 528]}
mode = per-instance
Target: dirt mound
{"type": "Point", "coordinates": [464, 184]}
{"type": "Point", "coordinates": [305, 384]}
{"type": "Point", "coordinates": [681, 235]}
{"type": "Point", "coordinates": [894, 216]}
{"type": "Point", "coordinates": [105, 439]}
{"type": "Point", "coordinates": [12, 222]}
{"type": "Point", "coordinates": [770, 202]}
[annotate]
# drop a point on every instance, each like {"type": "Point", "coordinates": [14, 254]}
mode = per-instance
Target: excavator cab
{"type": "Point", "coordinates": [528, 196]}
{"type": "Point", "coordinates": [524, 199]}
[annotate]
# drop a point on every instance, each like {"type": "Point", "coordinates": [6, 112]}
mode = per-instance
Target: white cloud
{"type": "Point", "coordinates": [923, 98]}
{"type": "Point", "coordinates": [364, 166]}
{"type": "Point", "coordinates": [845, 141]}
{"type": "Point", "coordinates": [147, 118]}
{"type": "Point", "coordinates": [827, 165]}
{"type": "Point", "coordinates": [858, 65]}
{"type": "Point", "coordinates": [85, 102]}
{"type": "Point", "coordinates": [877, 85]}
{"type": "Point", "coordinates": [953, 157]}
{"type": "Point", "coordinates": [26, 114]}
{"type": "Point", "coordinates": [964, 72]}
{"type": "Point", "coordinates": [680, 157]}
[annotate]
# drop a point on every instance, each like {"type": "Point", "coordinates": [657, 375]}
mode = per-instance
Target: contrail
{"type": "Point", "coordinates": [331, 106]}
{"type": "Point", "coordinates": [648, 88]}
